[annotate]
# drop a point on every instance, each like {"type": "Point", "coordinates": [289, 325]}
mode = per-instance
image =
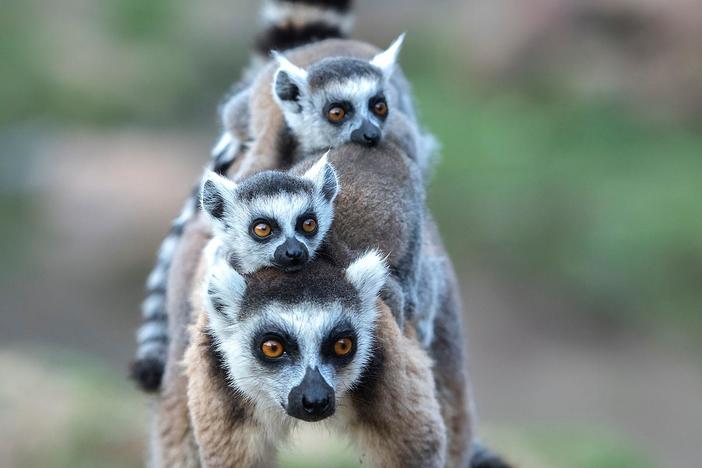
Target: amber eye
{"type": "Point", "coordinates": [343, 346]}
{"type": "Point", "coordinates": [309, 225]}
{"type": "Point", "coordinates": [380, 108]}
{"type": "Point", "coordinates": [262, 230]}
{"type": "Point", "coordinates": [336, 114]}
{"type": "Point", "coordinates": [272, 348]}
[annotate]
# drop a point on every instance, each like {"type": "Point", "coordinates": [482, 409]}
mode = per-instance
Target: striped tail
{"type": "Point", "coordinates": [292, 23]}
{"type": "Point", "coordinates": [152, 335]}
{"type": "Point", "coordinates": [286, 24]}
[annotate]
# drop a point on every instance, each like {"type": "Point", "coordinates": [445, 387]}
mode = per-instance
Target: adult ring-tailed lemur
{"type": "Point", "coordinates": [374, 138]}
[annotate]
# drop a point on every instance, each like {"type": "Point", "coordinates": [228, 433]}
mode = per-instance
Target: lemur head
{"type": "Point", "coordinates": [336, 100]}
{"type": "Point", "coordinates": [272, 218]}
{"type": "Point", "coordinates": [299, 341]}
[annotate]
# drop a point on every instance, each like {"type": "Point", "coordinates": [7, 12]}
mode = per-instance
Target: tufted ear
{"type": "Point", "coordinates": [324, 177]}
{"type": "Point", "coordinates": [216, 196]}
{"type": "Point", "coordinates": [289, 84]}
{"type": "Point", "coordinates": [367, 274]}
{"type": "Point", "coordinates": [386, 59]}
{"type": "Point", "coordinates": [224, 290]}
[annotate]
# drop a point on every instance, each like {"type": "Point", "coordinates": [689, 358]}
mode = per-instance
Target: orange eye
{"type": "Point", "coordinates": [380, 108]}
{"type": "Point", "coordinates": [343, 346]}
{"type": "Point", "coordinates": [309, 225]}
{"type": "Point", "coordinates": [336, 114]}
{"type": "Point", "coordinates": [272, 348]}
{"type": "Point", "coordinates": [262, 230]}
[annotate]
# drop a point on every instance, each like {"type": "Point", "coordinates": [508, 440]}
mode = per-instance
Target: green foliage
{"type": "Point", "coordinates": [579, 194]}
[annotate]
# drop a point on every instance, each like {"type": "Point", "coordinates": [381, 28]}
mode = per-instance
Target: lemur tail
{"type": "Point", "coordinates": [286, 24]}
{"type": "Point", "coordinates": [292, 23]}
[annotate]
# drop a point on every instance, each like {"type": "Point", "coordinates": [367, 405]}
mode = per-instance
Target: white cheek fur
{"type": "Point", "coordinates": [310, 324]}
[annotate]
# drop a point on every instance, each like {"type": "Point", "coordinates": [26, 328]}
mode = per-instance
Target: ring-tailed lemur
{"type": "Point", "coordinates": [312, 346]}
{"type": "Point", "coordinates": [272, 218]}
{"type": "Point", "coordinates": [286, 24]}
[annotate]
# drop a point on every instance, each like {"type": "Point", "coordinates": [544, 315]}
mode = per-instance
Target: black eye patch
{"type": "Point", "coordinates": [338, 112]}
{"type": "Point", "coordinates": [378, 106]}
{"type": "Point", "coordinates": [274, 229]}
{"type": "Point", "coordinates": [292, 349]}
{"type": "Point", "coordinates": [303, 224]}
{"type": "Point", "coordinates": [343, 330]}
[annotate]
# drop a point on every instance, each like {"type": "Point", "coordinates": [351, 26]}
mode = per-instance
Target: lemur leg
{"type": "Point", "coordinates": [393, 294]}
{"type": "Point", "coordinates": [226, 430]}
{"type": "Point", "coordinates": [450, 376]}
{"type": "Point", "coordinates": [396, 419]}
{"type": "Point", "coordinates": [173, 443]}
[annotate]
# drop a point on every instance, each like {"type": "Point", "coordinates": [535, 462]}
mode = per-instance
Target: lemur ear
{"type": "Point", "coordinates": [215, 194]}
{"type": "Point", "coordinates": [324, 176]}
{"type": "Point", "coordinates": [367, 274]}
{"type": "Point", "coordinates": [289, 83]}
{"type": "Point", "coordinates": [224, 289]}
{"type": "Point", "coordinates": [386, 59]}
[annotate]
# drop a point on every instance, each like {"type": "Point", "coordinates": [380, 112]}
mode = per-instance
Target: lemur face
{"type": "Point", "coordinates": [337, 100]}
{"type": "Point", "coordinates": [272, 218]}
{"type": "Point", "coordinates": [295, 342]}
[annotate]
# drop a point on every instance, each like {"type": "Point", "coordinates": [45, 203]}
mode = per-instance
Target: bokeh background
{"type": "Point", "coordinates": [569, 194]}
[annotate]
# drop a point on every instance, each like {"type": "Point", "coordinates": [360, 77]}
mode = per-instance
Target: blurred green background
{"type": "Point", "coordinates": [569, 193]}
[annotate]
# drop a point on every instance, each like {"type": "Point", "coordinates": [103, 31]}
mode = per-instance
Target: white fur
{"type": "Point", "coordinates": [368, 273]}
{"type": "Point", "coordinates": [317, 174]}
{"type": "Point", "coordinates": [387, 59]}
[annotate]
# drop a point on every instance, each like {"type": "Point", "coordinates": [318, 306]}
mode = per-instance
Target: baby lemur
{"type": "Point", "coordinates": [272, 218]}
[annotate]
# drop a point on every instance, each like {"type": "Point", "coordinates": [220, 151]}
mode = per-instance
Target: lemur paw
{"type": "Point", "coordinates": [147, 373]}
{"type": "Point", "coordinates": [484, 458]}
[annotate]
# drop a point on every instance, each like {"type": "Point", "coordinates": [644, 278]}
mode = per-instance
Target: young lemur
{"type": "Point", "coordinates": [272, 218]}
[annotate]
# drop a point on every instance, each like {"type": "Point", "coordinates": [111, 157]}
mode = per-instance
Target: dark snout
{"type": "Point", "coordinates": [367, 134]}
{"type": "Point", "coordinates": [291, 255]}
{"type": "Point", "coordinates": [313, 399]}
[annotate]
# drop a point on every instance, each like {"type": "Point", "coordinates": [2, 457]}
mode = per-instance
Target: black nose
{"type": "Point", "coordinates": [367, 134]}
{"type": "Point", "coordinates": [294, 253]}
{"type": "Point", "coordinates": [317, 404]}
{"type": "Point", "coordinates": [371, 138]}
{"type": "Point", "coordinates": [291, 255]}
{"type": "Point", "coordinates": [313, 399]}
